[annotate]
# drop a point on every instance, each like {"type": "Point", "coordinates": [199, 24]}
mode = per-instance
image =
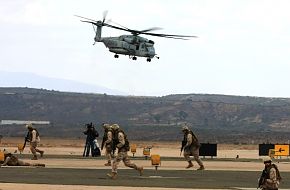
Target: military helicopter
{"type": "Point", "coordinates": [132, 45]}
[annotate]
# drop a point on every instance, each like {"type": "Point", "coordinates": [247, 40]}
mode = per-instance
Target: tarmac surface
{"type": "Point", "coordinates": [66, 169]}
{"type": "Point", "coordinates": [163, 177]}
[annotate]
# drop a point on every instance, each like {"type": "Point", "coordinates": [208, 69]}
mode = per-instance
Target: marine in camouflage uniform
{"type": "Point", "coordinates": [191, 146]}
{"type": "Point", "coordinates": [33, 139]}
{"type": "Point", "coordinates": [270, 178]}
{"type": "Point", "coordinates": [12, 160]}
{"type": "Point", "coordinates": [108, 143]}
{"type": "Point", "coordinates": [123, 147]}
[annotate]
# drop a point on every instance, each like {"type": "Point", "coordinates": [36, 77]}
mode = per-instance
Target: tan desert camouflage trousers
{"type": "Point", "coordinates": [195, 153]}
{"type": "Point", "coordinates": [123, 156]}
{"type": "Point", "coordinates": [33, 148]}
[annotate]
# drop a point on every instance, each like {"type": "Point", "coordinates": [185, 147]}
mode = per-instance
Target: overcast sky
{"type": "Point", "coordinates": [243, 46]}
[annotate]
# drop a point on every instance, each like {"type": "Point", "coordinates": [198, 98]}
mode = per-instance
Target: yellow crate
{"type": "Point", "coordinates": [146, 151]}
{"type": "Point", "coordinates": [2, 156]}
{"type": "Point", "coordinates": [20, 147]}
{"type": "Point", "coordinates": [155, 160]}
{"type": "Point", "coordinates": [133, 148]}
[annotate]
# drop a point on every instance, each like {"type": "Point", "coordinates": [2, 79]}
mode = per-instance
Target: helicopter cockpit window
{"type": "Point", "coordinates": [143, 46]}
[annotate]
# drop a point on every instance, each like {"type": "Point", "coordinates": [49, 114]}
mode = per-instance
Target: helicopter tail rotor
{"type": "Point", "coordinates": [97, 25]}
{"type": "Point", "coordinates": [105, 13]}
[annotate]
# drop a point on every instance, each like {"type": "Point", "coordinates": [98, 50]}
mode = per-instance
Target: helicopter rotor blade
{"type": "Point", "coordinates": [133, 32]}
{"type": "Point", "coordinates": [151, 29]}
{"type": "Point", "coordinates": [119, 25]}
{"type": "Point", "coordinates": [169, 35]}
{"type": "Point", "coordinates": [116, 27]}
{"type": "Point", "coordinates": [94, 23]}
{"type": "Point", "coordinates": [85, 18]}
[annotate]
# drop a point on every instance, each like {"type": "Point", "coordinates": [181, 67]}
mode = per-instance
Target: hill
{"type": "Point", "coordinates": [23, 79]}
{"type": "Point", "coordinates": [215, 118]}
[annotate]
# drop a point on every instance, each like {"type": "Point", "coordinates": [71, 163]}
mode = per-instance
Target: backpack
{"type": "Point", "coordinates": [279, 178]}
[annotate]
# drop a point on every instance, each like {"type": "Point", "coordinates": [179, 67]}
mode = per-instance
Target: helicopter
{"type": "Point", "coordinates": [132, 45]}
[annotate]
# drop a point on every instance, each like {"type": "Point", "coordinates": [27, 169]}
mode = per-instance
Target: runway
{"type": "Point", "coordinates": [207, 179]}
{"type": "Point", "coordinates": [66, 169]}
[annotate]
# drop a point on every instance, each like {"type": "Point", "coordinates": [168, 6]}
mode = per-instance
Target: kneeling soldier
{"type": "Point", "coordinates": [270, 177]}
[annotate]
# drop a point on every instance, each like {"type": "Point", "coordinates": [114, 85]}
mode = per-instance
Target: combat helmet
{"type": "Point", "coordinates": [185, 128]}
{"type": "Point", "coordinates": [29, 126]}
{"type": "Point", "coordinates": [105, 125]}
{"type": "Point", "coordinates": [115, 127]}
{"type": "Point", "coordinates": [267, 160]}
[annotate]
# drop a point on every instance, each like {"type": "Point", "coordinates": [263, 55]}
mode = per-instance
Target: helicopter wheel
{"type": "Point", "coordinates": [116, 56]}
{"type": "Point", "coordinates": [134, 58]}
{"type": "Point", "coordinates": [148, 60]}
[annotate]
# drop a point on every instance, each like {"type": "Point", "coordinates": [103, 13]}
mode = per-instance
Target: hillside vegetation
{"type": "Point", "coordinates": [214, 118]}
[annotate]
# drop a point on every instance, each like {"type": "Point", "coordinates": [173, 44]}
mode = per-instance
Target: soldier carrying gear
{"type": "Point", "coordinates": [270, 177]}
{"type": "Point", "coordinates": [190, 146]}
{"type": "Point", "coordinates": [33, 139]}
{"type": "Point", "coordinates": [115, 129]}
{"type": "Point", "coordinates": [108, 143]}
{"type": "Point", "coordinates": [12, 160]}
{"type": "Point", "coordinates": [123, 147]}
{"type": "Point", "coordinates": [105, 126]}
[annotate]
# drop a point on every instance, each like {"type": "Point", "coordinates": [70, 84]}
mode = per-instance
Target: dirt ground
{"type": "Point", "coordinates": [74, 147]}
{"type": "Point", "coordinates": [164, 149]}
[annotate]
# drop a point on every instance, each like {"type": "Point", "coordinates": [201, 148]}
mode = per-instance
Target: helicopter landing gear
{"type": "Point", "coordinates": [148, 60]}
{"type": "Point", "coordinates": [134, 58]}
{"type": "Point", "coordinates": [116, 56]}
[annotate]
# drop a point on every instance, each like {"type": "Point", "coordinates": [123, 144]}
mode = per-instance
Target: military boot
{"type": "Point", "coordinates": [201, 168]}
{"type": "Point", "coordinates": [112, 175]}
{"type": "Point", "coordinates": [39, 165]}
{"type": "Point", "coordinates": [189, 165]}
{"type": "Point", "coordinates": [140, 170]}
{"type": "Point", "coordinates": [41, 153]}
{"type": "Point", "coordinates": [108, 164]}
{"type": "Point", "coordinates": [34, 157]}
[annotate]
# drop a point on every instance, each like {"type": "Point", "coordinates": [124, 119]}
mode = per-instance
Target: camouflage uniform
{"type": "Point", "coordinates": [11, 160]}
{"type": "Point", "coordinates": [34, 139]}
{"type": "Point", "coordinates": [108, 143]}
{"type": "Point", "coordinates": [271, 176]}
{"type": "Point", "coordinates": [123, 148]}
{"type": "Point", "coordinates": [191, 148]}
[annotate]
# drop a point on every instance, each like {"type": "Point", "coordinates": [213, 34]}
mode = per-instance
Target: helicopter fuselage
{"type": "Point", "coordinates": [130, 45]}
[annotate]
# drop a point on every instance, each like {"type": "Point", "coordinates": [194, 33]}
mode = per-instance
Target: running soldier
{"type": "Point", "coordinates": [122, 144]}
{"type": "Point", "coordinates": [270, 177]}
{"type": "Point", "coordinates": [12, 160]}
{"type": "Point", "coordinates": [191, 146]}
{"type": "Point", "coordinates": [108, 143]}
{"type": "Point", "coordinates": [33, 139]}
